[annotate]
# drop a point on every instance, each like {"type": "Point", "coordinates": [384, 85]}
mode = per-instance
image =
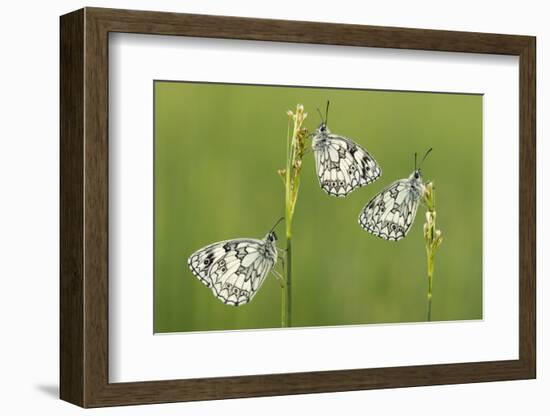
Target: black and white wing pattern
{"type": "Point", "coordinates": [234, 269]}
{"type": "Point", "coordinates": [342, 165]}
{"type": "Point", "coordinates": [390, 214]}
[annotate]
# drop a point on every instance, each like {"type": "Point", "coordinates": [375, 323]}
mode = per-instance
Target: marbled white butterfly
{"type": "Point", "coordinates": [390, 214]}
{"type": "Point", "coordinates": [342, 165]}
{"type": "Point", "coordinates": [235, 269]}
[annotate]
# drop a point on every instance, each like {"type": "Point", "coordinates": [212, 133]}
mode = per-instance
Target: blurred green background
{"type": "Point", "coordinates": [217, 150]}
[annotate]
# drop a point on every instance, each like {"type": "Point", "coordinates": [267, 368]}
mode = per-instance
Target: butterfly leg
{"type": "Point", "coordinates": [281, 256]}
{"type": "Point", "coordinates": [281, 250]}
{"type": "Point", "coordinates": [279, 277]}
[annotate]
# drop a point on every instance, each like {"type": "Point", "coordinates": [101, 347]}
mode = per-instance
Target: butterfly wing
{"type": "Point", "coordinates": [343, 165]}
{"type": "Point", "coordinates": [390, 214]}
{"type": "Point", "coordinates": [233, 269]}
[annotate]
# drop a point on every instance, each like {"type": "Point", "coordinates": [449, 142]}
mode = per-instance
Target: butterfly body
{"type": "Point", "coordinates": [235, 269]}
{"type": "Point", "coordinates": [390, 214]}
{"type": "Point", "coordinates": [342, 165]}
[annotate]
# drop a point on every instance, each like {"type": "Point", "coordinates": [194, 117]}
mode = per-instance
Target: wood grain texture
{"type": "Point", "coordinates": [84, 207]}
{"type": "Point", "coordinates": [71, 100]}
{"type": "Point", "coordinates": [527, 208]}
{"type": "Point", "coordinates": [96, 208]}
{"type": "Point", "coordinates": [162, 23]}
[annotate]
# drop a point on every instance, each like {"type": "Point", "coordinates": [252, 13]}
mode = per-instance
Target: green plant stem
{"type": "Point", "coordinates": [295, 151]}
{"type": "Point", "coordinates": [433, 240]}
{"type": "Point", "coordinates": [287, 296]}
{"type": "Point", "coordinates": [430, 257]}
{"type": "Point", "coordinates": [286, 299]}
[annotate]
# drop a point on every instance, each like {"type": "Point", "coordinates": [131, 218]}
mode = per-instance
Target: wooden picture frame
{"type": "Point", "coordinates": [84, 207]}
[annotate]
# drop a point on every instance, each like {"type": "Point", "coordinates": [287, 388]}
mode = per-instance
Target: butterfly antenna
{"type": "Point", "coordinates": [425, 156]}
{"type": "Point", "coordinates": [326, 112]}
{"type": "Point", "coordinates": [277, 223]}
{"type": "Point", "coordinates": [321, 115]}
{"type": "Point", "coordinates": [415, 161]}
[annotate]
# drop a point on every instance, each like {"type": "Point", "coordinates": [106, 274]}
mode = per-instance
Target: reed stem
{"type": "Point", "coordinates": [433, 239]}
{"type": "Point", "coordinates": [291, 179]}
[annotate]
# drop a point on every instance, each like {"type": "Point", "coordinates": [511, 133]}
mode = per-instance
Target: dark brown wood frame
{"type": "Point", "coordinates": [84, 207]}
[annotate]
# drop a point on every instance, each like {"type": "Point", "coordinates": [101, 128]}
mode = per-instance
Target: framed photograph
{"type": "Point", "coordinates": [255, 207]}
